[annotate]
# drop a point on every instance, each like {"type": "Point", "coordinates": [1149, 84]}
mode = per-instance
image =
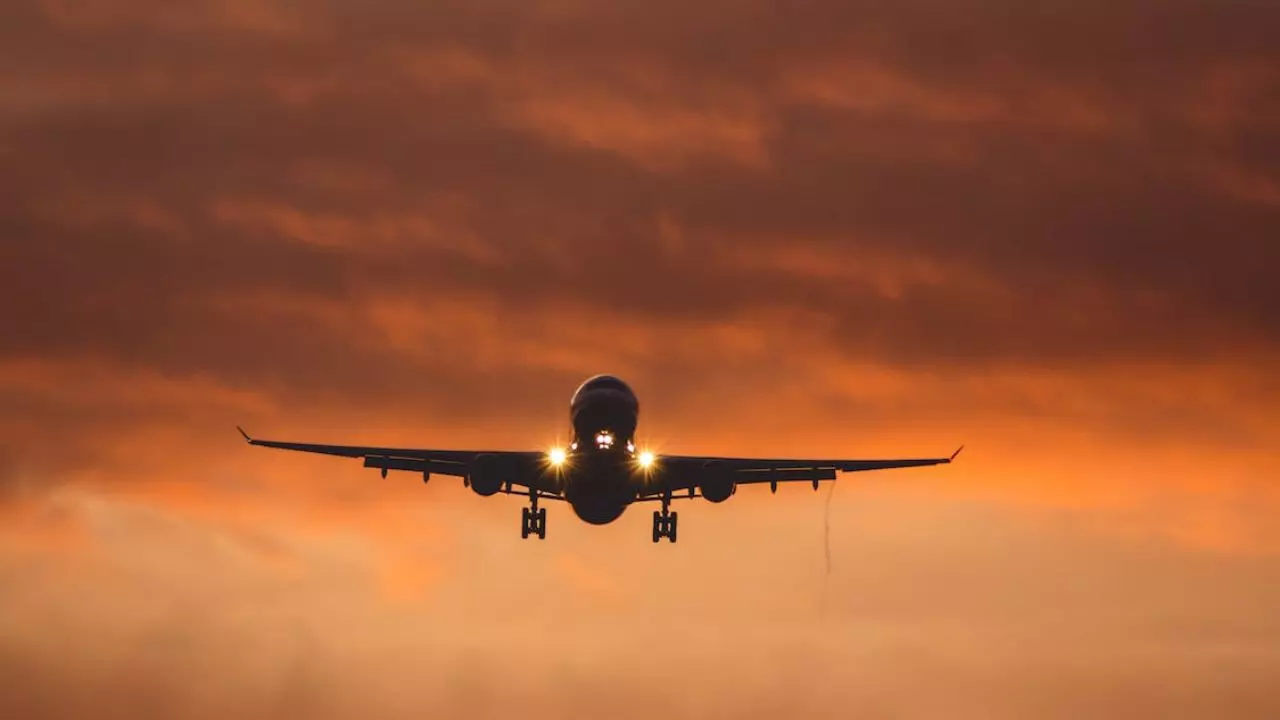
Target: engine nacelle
{"type": "Point", "coordinates": [488, 473]}
{"type": "Point", "coordinates": [718, 482]}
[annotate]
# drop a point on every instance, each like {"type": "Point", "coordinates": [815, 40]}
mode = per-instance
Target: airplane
{"type": "Point", "coordinates": [602, 471]}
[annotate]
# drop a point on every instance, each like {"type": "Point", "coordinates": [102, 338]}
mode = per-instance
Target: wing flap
{"type": "Point", "coordinates": [688, 471]}
{"type": "Point", "coordinates": [777, 475]}
{"type": "Point", "coordinates": [743, 465]}
{"type": "Point", "coordinates": [433, 467]}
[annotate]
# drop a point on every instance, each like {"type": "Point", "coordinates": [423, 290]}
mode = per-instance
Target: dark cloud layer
{"type": "Point", "coordinates": [1100, 177]}
{"type": "Point", "coordinates": [388, 205]}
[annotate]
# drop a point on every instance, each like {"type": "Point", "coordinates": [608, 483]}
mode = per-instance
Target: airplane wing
{"type": "Point", "coordinates": [685, 472]}
{"type": "Point", "coordinates": [429, 462]}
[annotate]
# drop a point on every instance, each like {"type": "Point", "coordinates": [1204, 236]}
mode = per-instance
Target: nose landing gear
{"type": "Point", "coordinates": [665, 521]}
{"type": "Point", "coordinates": [533, 520]}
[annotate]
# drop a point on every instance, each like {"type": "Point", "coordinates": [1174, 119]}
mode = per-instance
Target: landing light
{"type": "Point", "coordinates": [556, 456]}
{"type": "Point", "coordinates": [646, 459]}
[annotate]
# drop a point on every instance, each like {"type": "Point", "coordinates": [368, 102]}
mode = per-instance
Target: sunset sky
{"type": "Point", "coordinates": [1047, 230]}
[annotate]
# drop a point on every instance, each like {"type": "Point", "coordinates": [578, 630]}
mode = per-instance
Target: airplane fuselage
{"type": "Point", "coordinates": [600, 471]}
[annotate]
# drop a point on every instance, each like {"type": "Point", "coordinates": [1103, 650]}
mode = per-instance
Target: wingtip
{"type": "Point", "coordinates": [955, 454]}
{"type": "Point", "coordinates": [245, 434]}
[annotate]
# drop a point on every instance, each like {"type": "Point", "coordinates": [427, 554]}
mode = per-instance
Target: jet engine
{"type": "Point", "coordinates": [718, 482]}
{"type": "Point", "coordinates": [488, 473]}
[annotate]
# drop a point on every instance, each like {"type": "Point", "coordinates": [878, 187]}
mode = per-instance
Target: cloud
{"type": "Point", "coordinates": [1044, 231]}
{"type": "Point", "coordinates": [174, 598]}
{"type": "Point", "coordinates": [335, 202]}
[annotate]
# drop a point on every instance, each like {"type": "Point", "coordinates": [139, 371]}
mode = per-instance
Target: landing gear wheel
{"type": "Point", "coordinates": [664, 525]}
{"type": "Point", "coordinates": [533, 522]}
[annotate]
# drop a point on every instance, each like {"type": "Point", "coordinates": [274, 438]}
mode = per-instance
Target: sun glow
{"type": "Point", "coordinates": [645, 459]}
{"type": "Point", "coordinates": [556, 456]}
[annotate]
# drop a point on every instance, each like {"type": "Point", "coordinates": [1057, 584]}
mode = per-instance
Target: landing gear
{"type": "Point", "coordinates": [665, 521]}
{"type": "Point", "coordinates": [533, 520]}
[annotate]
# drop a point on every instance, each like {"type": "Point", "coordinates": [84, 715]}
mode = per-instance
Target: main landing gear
{"type": "Point", "coordinates": [664, 521]}
{"type": "Point", "coordinates": [533, 520]}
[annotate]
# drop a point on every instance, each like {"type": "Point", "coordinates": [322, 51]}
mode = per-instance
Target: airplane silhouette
{"type": "Point", "coordinates": [602, 471]}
